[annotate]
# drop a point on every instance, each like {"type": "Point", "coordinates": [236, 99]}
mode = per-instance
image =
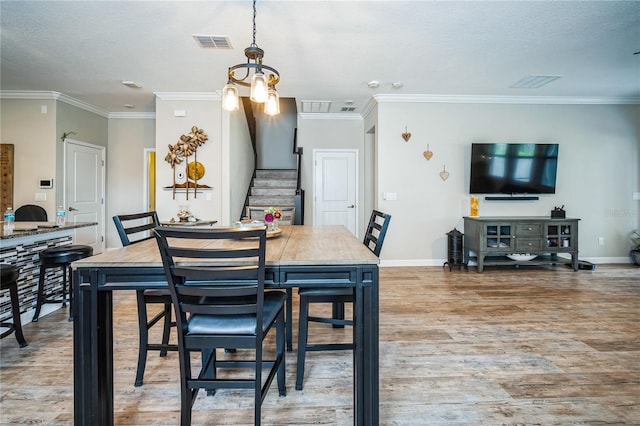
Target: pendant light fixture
{"type": "Point", "coordinates": [263, 87]}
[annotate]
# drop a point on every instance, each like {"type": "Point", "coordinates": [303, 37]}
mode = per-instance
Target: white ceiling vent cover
{"type": "Point", "coordinates": [534, 81]}
{"type": "Point", "coordinates": [213, 41]}
{"type": "Point", "coordinates": [315, 106]}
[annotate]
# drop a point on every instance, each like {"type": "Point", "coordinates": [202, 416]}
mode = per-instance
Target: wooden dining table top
{"type": "Point", "coordinates": [296, 245]}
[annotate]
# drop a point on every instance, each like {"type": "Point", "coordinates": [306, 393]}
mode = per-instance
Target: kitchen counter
{"type": "Point", "coordinates": [25, 229]}
{"type": "Point", "coordinates": [22, 248]}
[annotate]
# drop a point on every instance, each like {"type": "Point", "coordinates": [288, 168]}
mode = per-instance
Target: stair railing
{"type": "Point", "coordinates": [298, 218]}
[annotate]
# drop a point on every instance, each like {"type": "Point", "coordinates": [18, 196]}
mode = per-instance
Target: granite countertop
{"type": "Point", "coordinates": [23, 229]}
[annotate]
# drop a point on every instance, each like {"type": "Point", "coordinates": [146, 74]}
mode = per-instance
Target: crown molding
{"type": "Point", "coordinates": [133, 115]}
{"type": "Point", "coordinates": [188, 96]}
{"type": "Point", "coordinates": [48, 95]}
{"type": "Point", "coordinates": [473, 99]}
{"type": "Point", "coordinates": [329, 116]}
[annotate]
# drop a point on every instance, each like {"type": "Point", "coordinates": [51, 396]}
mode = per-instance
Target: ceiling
{"type": "Point", "coordinates": [324, 50]}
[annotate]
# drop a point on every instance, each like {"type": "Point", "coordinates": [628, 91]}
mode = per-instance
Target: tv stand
{"type": "Point", "coordinates": [492, 238]}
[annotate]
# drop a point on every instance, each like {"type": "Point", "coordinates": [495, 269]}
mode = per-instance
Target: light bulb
{"type": "Point", "coordinates": [258, 87]}
{"type": "Point", "coordinates": [272, 105]}
{"type": "Point", "coordinates": [230, 101]}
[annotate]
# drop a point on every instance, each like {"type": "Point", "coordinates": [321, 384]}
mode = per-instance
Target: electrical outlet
{"type": "Point", "coordinates": [601, 241]}
{"type": "Point", "coordinates": [40, 196]}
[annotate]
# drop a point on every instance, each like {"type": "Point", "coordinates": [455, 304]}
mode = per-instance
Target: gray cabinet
{"type": "Point", "coordinates": [491, 239]}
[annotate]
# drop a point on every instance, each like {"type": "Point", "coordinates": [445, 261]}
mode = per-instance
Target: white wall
{"type": "Point", "coordinates": [597, 171]}
{"type": "Point", "coordinates": [241, 162]}
{"type": "Point", "coordinates": [329, 132]}
{"type": "Point", "coordinates": [33, 134]}
{"type": "Point", "coordinates": [128, 139]}
{"type": "Point", "coordinates": [205, 112]}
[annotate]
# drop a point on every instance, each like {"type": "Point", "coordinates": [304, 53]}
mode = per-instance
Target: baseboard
{"type": "Point", "coordinates": [385, 263]}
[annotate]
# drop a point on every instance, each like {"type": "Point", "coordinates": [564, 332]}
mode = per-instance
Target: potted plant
{"type": "Point", "coordinates": [635, 251]}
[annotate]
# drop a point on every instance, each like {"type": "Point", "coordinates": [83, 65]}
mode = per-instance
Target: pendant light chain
{"type": "Point", "coordinates": [254, 23]}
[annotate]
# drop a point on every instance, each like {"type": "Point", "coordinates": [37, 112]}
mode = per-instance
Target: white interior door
{"type": "Point", "coordinates": [336, 188]}
{"type": "Point", "coordinates": [84, 191]}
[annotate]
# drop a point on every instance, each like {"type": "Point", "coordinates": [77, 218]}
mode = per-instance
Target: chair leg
{"type": "Point", "coordinates": [15, 311]}
{"type": "Point", "coordinates": [64, 284]}
{"type": "Point", "coordinates": [143, 337]}
{"type": "Point", "coordinates": [289, 319]}
{"type": "Point", "coordinates": [303, 326]}
{"type": "Point", "coordinates": [338, 313]}
{"type": "Point", "coordinates": [40, 296]}
{"type": "Point", "coordinates": [257, 403]}
{"type": "Point", "coordinates": [280, 352]}
{"type": "Point", "coordinates": [70, 276]}
{"type": "Point", "coordinates": [167, 329]}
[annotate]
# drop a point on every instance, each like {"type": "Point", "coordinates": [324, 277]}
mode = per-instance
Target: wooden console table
{"type": "Point", "coordinates": [493, 238]}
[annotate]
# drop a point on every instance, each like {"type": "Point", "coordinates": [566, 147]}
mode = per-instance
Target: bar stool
{"type": "Point", "coordinates": [9, 281]}
{"type": "Point", "coordinates": [59, 257]}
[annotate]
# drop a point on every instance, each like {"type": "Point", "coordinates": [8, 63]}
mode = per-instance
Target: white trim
{"type": "Point", "coordinates": [188, 96]}
{"type": "Point", "coordinates": [133, 115]}
{"type": "Point", "coordinates": [34, 94]}
{"type": "Point", "coordinates": [473, 99]}
{"type": "Point", "coordinates": [329, 116]}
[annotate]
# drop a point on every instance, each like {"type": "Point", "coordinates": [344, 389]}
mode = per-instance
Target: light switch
{"type": "Point", "coordinates": [636, 196]}
{"type": "Point", "coordinates": [179, 113]}
{"type": "Point", "coordinates": [40, 196]}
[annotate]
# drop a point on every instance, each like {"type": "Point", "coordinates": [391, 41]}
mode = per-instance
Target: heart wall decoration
{"type": "Point", "coordinates": [428, 153]}
{"type": "Point", "coordinates": [406, 135]}
{"type": "Point", "coordinates": [444, 174]}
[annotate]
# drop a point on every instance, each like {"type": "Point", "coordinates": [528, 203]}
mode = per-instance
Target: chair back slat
{"type": "Point", "coordinates": [223, 281]}
{"type": "Point", "coordinates": [133, 228]}
{"type": "Point", "coordinates": [213, 253]}
{"type": "Point", "coordinates": [376, 231]}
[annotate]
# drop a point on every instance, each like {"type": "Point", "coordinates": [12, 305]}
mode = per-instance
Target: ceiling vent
{"type": "Point", "coordinates": [213, 41]}
{"type": "Point", "coordinates": [315, 106]}
{"type": "Point", "coordinates": [534, 81]}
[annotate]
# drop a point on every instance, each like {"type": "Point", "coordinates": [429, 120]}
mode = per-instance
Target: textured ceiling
{"type": "Point", "coordinates": [324, 50]}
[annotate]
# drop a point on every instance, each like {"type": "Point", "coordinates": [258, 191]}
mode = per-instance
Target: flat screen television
{"type": "Point", "coordinates": [513, 168]}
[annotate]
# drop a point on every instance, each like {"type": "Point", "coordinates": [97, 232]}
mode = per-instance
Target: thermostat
{"type": "Point", "coordinates": [46, 183]}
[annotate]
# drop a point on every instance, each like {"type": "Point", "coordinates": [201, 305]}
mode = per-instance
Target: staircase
{"type": "Point", "coordinates": [272, 188]}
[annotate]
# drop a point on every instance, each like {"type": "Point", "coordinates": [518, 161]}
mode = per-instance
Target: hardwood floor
{"type": "Point", "coordinates": [528, 346]}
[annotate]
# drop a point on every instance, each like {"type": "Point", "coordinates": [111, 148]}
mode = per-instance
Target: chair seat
{"type": "Point", "coordinates": [65, 254]}
{"type": "Point", "coordinates": [239, 324]}
{"type": "Point", "coordinates": [9, 275]}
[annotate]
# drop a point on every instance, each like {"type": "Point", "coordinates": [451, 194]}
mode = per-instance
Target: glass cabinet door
{"type": "Point", "coordinates": [498, 236]}
{"type": "Point", "coordinates": [559, 236]}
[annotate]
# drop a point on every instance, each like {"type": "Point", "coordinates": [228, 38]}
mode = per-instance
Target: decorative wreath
{"type": "Point", "coordinates": [186, 146]}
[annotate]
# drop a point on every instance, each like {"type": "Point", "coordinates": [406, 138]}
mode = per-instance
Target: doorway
{"type": "Point", "coordinates": [336, 188]}
{"type": "Point", "coordinates": [84, 190]}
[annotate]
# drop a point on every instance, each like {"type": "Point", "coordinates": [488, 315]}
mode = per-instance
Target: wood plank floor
{"type": "Point", "coordinates": [508, 346]}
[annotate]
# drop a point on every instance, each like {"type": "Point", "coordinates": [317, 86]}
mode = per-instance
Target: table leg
{"type": "Point", "coordinates": [366, 351]}
{"type": "Point", "coordinates": [93, 352]}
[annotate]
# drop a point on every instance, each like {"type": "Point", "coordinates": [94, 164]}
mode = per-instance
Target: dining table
{"type": "Point", "coordinates": [299, 256]}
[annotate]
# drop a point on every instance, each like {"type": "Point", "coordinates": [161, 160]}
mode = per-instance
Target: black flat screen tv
{"type": "Point", "coordinates": [513, 168]}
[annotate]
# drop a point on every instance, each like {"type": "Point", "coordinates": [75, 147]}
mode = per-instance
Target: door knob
{"type": "Point", "coordinates": [352, 206]}
{"type": "Point", "coordinates": [71, 209]}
